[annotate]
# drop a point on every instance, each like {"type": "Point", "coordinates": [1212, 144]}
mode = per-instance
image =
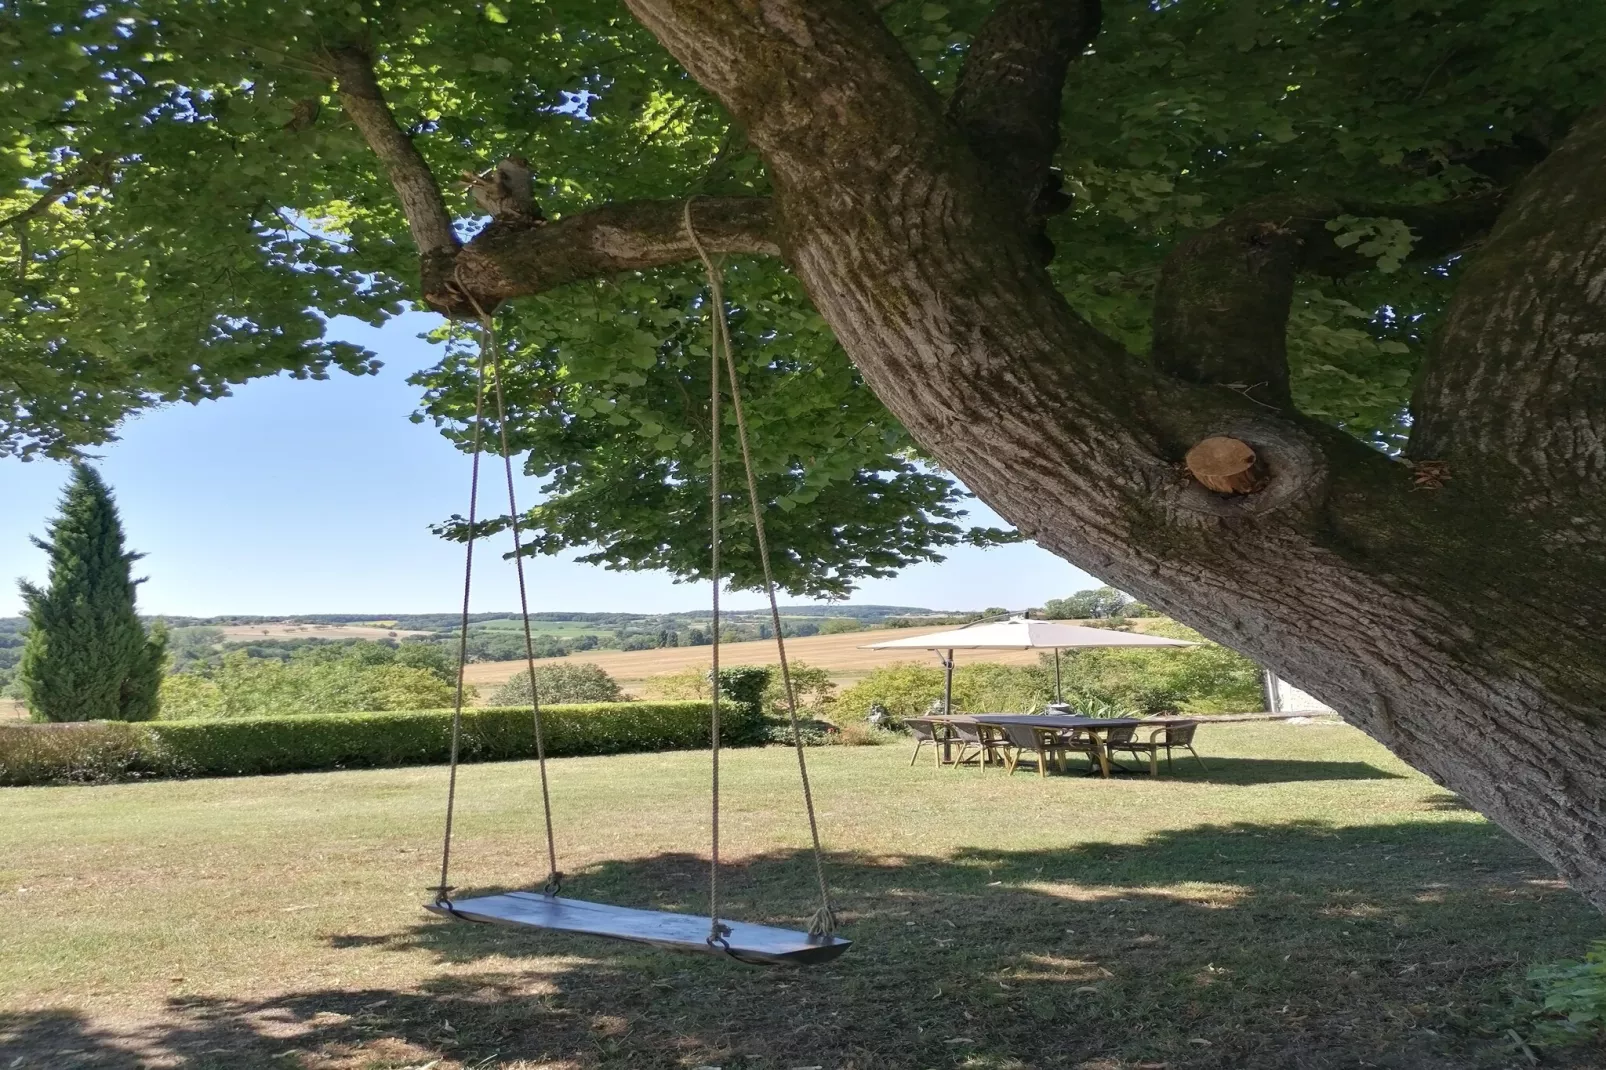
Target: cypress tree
{"type": "Point", "coordinates": [86, 656]}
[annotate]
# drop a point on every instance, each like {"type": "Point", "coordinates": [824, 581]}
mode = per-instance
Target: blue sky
{"type": "Point", "coordinates": [316, 497]}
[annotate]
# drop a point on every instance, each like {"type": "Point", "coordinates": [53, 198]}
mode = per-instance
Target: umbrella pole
{"type": "Point", "coordinates": [1058, 696]}
{"type": "Point", "coordinates": [948, 684]}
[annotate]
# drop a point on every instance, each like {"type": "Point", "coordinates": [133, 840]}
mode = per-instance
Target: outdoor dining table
{"type": "Point", "coordinates": [1096, 727]}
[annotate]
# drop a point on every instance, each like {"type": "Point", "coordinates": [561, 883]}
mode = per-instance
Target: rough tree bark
{"type": "Point", "coordinates": [1460, 626]}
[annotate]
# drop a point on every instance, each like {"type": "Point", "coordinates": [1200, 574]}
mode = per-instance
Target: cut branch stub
{"type": "Point", "coordinates": [1227, 465]}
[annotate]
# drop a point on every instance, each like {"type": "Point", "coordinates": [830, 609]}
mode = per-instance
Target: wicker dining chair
{"type": "Point", "coordinates": [925, 731]}
{"type": "Point", "coordinates": [1026, 739]}
{"type": "Point", "coordinates": [1046, 745]}
{"type": "Point", "coordinates": [1082, 741]}
{"type": "Point", "coordinates": [1166, 737]}
{"type": "Point", "coordinates": [981, 741]}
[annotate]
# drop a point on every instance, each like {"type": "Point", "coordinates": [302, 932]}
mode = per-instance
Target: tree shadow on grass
{"type": "Point", "coordinates": [1258, 770]}
{"type": "Point", "coordinates": [1294, 947]}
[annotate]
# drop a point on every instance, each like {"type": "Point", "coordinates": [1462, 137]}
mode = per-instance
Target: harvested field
{"type": "Point", "coordinates": [841, 655]}
{"type": "Point", "coordinates": [240, 633]}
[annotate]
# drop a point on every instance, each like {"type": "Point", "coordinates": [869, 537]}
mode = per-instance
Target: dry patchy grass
{"type": "Point", "coordinates": [1310, 904]}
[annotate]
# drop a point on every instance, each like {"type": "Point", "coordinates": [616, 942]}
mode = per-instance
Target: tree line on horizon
{"type": "Point", "coordinates": [83, 652]}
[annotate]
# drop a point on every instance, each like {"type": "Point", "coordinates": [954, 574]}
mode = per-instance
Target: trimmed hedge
{"type": "Point", "coordinates": [99, 751]}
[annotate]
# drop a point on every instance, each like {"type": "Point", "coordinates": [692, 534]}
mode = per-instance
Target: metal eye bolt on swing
{"type": "Point", "coordinates": [745, 942]}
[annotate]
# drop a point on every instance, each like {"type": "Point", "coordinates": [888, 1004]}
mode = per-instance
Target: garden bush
{"type": "Point", "coordinates": [314, 681]}
{"type": "Point", "coordinates": [77, 752]}
{"type": "Point", "coordinates": [1106, 681]}
{"type": "Point", "coordinates": [560, 683]}
{"type": "Point", "coordinates": [905, 690]}
{"type": "Point", "coordinates": [1208, 678]}
{"type": "Point", "coordinates": [245, 746]}
{"type": "Point", "coordinates": [812, 687]}
{"type": "Point", "coordinates": [743, 720]}
{"type": "Point", "coordinates": [908, 690]}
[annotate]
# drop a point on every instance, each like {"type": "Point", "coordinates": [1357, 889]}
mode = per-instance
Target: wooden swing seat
{"type": "Point", "coordinates": [674, 932]}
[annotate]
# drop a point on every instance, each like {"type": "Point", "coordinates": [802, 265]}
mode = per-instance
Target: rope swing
{"type": "Point", "coordinates": [742, 941]}
{"type": "Point", "coordinates": [823, 923]}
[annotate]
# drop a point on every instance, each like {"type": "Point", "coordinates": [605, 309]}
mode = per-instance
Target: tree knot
{"type": "Point", "coordinates": [1250, 467]}
{"type": "Point", "coordinates": [1227, 465]}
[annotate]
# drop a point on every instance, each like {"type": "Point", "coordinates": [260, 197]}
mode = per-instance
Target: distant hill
{"type": "Point", "coordinates": [495, 636]}
{"type": "Point", "coordinates": [426, 622]}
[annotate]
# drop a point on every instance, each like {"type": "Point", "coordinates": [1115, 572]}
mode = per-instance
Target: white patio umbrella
{"type": "Point", "coordinates": [1018, 633]}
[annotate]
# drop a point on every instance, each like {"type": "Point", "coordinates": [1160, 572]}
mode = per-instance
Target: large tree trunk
{"type": "Point", "coordinates": [1459, 627]}
{"type": "Point", "coordinates": [1459, 623]}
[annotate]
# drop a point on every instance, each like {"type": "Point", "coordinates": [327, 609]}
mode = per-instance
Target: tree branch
{"type": "Point", "coordinates": [87, 170]}
{"type": "Point", "coordinates": [421, 201]}
{"type": "Point", "coordinates": [1221, 306]}
{"type": "Point", "coordinates": [512, 259]}
{"type": "Point", "coordinates": [1512, 393]}
{"type": "Point", "coordinates": [1222, 303]}
{"type": "Point", "coordinates": [1007, 100]}
{"type": "Point", "coordinates": [509, 260]}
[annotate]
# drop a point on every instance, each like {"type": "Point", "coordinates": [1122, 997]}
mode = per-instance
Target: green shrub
{"type": "Point", "coordinates": [185, 695]}
{"type": "Point", "coordinates": [689, 683]}
{"type": "Point", "coordinates": [1092, 704]}
{"type": "Point", "coordinates": [77, 752]}
{"type": "Point", "coordinates": [813, 689]}
{"type": "Point", "coordinates": [743, 720]}
{"type": "Point", "coordinates": [909, 690]}
{"type": "Point", "coordinates": [1574, 997]}
{"type": "Point", "coordinates": [246, 746]}
{"type": "Point", "coordinates": [1208, 678]}
{"type": "Point", "coordinates": [1106, 681]}
{"type": "Point", "coordinates": [905, 690]}
{"type": "Point", "coordinates": [987, 687]}
{"type": "Point", "coordinates": [560, 683]}
{"type": "Point", "coordinates": [315, 681]}
{"type": "Point", "coordinates": [778, 732]}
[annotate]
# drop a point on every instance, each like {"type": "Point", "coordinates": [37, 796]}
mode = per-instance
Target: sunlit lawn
{"type": "Point", "coordinates": [1310, 903]}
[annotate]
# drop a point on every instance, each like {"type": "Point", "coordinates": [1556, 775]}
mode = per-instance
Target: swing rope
{"type": "Point", "coordinates": [824, 921]}
{"type": "Point", "coordinates": [443, 891]}
{"type": "Point", "coordinates": [554, 878]}
{"type": "Point", "coordinates": [489, 347]}
{"type": "Point", "coordinates": [716, 931]}
{"type": "Point", "coordinates": [721, 361]}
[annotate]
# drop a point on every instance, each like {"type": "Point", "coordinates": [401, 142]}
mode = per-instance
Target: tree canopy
{"type": "Point", "coordinates": [190, 204]}
{"type": "Point", "coordinates": [1273, 314]}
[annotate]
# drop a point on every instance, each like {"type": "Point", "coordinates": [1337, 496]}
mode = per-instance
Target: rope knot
{"type": "Point", "coordinates": [823, 923]}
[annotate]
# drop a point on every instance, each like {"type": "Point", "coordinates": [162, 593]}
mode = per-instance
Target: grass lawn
{"type": "Point", "coordinates": [1310, 904]}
